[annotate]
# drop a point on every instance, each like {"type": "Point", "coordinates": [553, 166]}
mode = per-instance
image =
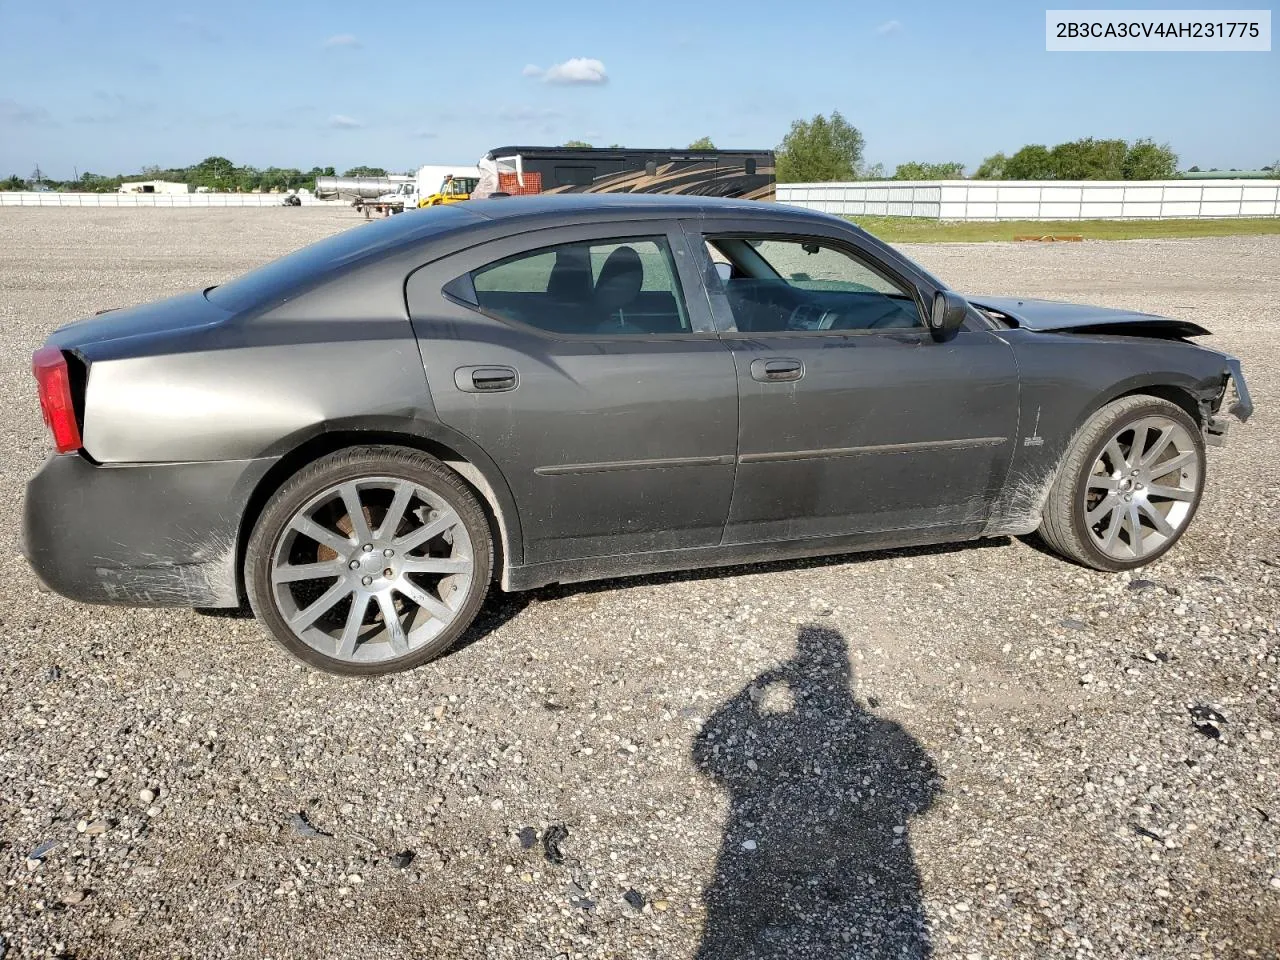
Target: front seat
{"type": "Point", "coordinates": [569, 291]}
{"type": "Point", "coordinates": [617, 288]}
{"type": "Point", "coordinates": [570, 279]}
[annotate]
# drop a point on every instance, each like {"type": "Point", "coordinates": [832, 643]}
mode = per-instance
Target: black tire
{"type": "Point", "coordinates": [1063, 526]}
{"type": "Point", "coordinates": [354, 464]}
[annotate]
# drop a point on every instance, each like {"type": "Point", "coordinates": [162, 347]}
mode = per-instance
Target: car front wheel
{"type": "Point", "coordinates": [369, 561]}
{"type": "Point", "coordinates": [1129, 486]}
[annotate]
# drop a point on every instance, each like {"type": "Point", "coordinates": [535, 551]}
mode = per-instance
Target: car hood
{"type": "Point", "coordinates": [184, 312]}
{"type": "Point", "coordinates": [1046, 315]}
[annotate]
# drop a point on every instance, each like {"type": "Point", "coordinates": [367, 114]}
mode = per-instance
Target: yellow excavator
{"type": "Point", "coordinates": [453, 189]}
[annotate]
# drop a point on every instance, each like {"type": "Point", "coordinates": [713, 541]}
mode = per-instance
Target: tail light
{"type": "Point", "coordinates": [56, 403]}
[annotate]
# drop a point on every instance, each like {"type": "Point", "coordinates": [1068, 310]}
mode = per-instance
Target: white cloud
{"type": "Point", "coordinates": [889, 26]}
{"type": "Point", "coordinates": [343, 122]}
{"type": "Point", "coordinates": [343, 40]}
{"type": "Point", "coordinates": [578, 71]}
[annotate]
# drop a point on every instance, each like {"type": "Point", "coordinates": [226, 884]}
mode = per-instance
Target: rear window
{"type": "Point", "coordinates": [282, 279]}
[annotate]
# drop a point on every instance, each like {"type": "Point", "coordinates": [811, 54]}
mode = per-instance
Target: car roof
{"type": "Point", "coordinates": [572, 206]}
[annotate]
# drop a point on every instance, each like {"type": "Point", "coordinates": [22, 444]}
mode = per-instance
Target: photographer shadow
{"type": "Point", "coordinates": [816, 858]}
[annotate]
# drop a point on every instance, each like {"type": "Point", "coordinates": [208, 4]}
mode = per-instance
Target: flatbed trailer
{"type": "Point", "coordinates": [384, 207]}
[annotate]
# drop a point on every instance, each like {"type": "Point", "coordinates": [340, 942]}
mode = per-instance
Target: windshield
{"type": "Point", "coordinates": [283, 279]}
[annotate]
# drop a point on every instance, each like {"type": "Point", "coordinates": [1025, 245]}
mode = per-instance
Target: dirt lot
{"type": "Point", "coordinates": [972, 752]}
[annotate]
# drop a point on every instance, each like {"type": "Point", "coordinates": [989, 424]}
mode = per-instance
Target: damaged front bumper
{"type": "Point", "coordinates": [156, 534]}
{"type": "Point", "coordinates": [1235, 398]}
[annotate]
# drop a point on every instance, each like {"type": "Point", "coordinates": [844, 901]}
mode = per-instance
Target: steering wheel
{"type": "Point", "coordinates": [802, 317]}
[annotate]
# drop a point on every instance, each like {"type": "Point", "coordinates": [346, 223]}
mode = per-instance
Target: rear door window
{"type": "Point", "coordinates": [613, 287]}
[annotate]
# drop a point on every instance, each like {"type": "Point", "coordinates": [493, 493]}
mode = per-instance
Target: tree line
{"type": "Point", "coordinates": [831, 149]}
{"type": "Point", "coordinates": [215, 173]}
{"type": "Point", "coordinates": [817, 150]}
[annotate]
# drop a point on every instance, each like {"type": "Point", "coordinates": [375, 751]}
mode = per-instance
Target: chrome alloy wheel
{"type": "Point", "coordinates": [371, 569]}
{"type": "Point", "coordinates": [1142, 488]}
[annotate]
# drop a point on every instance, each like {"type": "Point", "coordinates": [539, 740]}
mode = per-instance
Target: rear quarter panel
{"type": "Point", "coordinates": [239, 393]}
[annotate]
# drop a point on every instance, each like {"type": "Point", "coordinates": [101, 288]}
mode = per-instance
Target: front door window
{"type": "Point", "coordinates": [801, 285]}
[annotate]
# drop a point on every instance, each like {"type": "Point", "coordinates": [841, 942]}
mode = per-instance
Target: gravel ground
{"type": "Point", "coordinates": [966, 752]}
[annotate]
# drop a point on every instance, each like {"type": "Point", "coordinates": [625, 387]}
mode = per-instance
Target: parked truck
{"type": "Point", "coordinates": [432, 186]}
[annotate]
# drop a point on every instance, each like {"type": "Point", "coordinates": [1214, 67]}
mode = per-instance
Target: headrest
{"type": "Point", "coordinates": [620, 279]}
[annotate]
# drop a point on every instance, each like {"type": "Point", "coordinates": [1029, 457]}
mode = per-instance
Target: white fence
{"type": "Point", "coordinates": [52, 198]}
{"type": "Point", "coordinates": [936, 199]}
{"type": "Point", "coordinates": [1040, 199]}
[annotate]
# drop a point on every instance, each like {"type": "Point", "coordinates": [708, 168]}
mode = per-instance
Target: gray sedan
{"type": "Point", "coordinates": [361, 439]}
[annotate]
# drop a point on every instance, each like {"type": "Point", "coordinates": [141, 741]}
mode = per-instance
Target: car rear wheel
{"type": "Point", "coordinates": [1129, 486]}
{"type": "Point", "coordinates": [369, 561]}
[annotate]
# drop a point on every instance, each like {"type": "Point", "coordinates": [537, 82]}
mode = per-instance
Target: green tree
{"type": "Point", "coordinates": [580, 144]}
{"type": "Point", "coordinates": [1147, 160]}
{"type": "Point", "coordinates": [272, 178]}
{"type": "Point", "coordinates": [819, 150]}
{"type": "Point", "coordinates": [1087, 159]}
{"type": "Point", "coordinates": [217, 173]}
{"type": "Point", "coordinates": [309, 178]}
{"type": "Point", "coordinates": [247, 179]}
{"type": "Point", "coordinates": [366, 172]}
{"type": "Point", "coordinates": [702, 143]}
{"type": "Point", "coordinates": [1083, 159]}
{"type": "Point", "coordinates": [992, 168]}
{"type": "Point", "coordinates": [1032, 162]}
{"type": "Point", "coordinates": [929, 171]}
{"type": "Point", "coordinates": [93, 183]}
{"type": "Point", "coordinates": [14, 182]}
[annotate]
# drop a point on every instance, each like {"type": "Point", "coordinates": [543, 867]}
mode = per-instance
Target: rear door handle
{"type": "Point", "coordinates": [485, 379]}
{"type": "Point", "coordinates": [777, 370]}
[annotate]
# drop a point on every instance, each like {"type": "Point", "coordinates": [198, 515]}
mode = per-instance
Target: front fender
{"type": "Point", "coordinates": [1064, 379]}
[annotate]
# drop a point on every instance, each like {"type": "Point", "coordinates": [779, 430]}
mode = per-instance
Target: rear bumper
{"type": "Point", "coordinates": [164, 535]}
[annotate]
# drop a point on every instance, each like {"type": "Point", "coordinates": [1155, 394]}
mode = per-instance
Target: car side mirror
{"type": "Point", "coordinates": [948, 313]}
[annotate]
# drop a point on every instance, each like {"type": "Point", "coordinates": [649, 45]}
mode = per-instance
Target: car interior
{"type": "Point", "coordinates": [575, 300]}
{"type": "Point", "coordinates": [765, 300]}
{"type": "Point", "coordinates": [608, 288]}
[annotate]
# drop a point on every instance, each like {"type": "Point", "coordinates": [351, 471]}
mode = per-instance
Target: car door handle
{"type": "Point", "coordinates": [777, 370]}
{"type": "Point", "coordinates": [485, 379]}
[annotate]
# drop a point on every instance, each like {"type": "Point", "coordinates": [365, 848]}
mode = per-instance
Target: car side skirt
{"type": "Point", "coordinates": [531, 576]}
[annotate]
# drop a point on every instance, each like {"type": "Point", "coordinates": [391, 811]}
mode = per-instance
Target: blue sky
{"type": "Point", "coordinates": [111, 87]}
